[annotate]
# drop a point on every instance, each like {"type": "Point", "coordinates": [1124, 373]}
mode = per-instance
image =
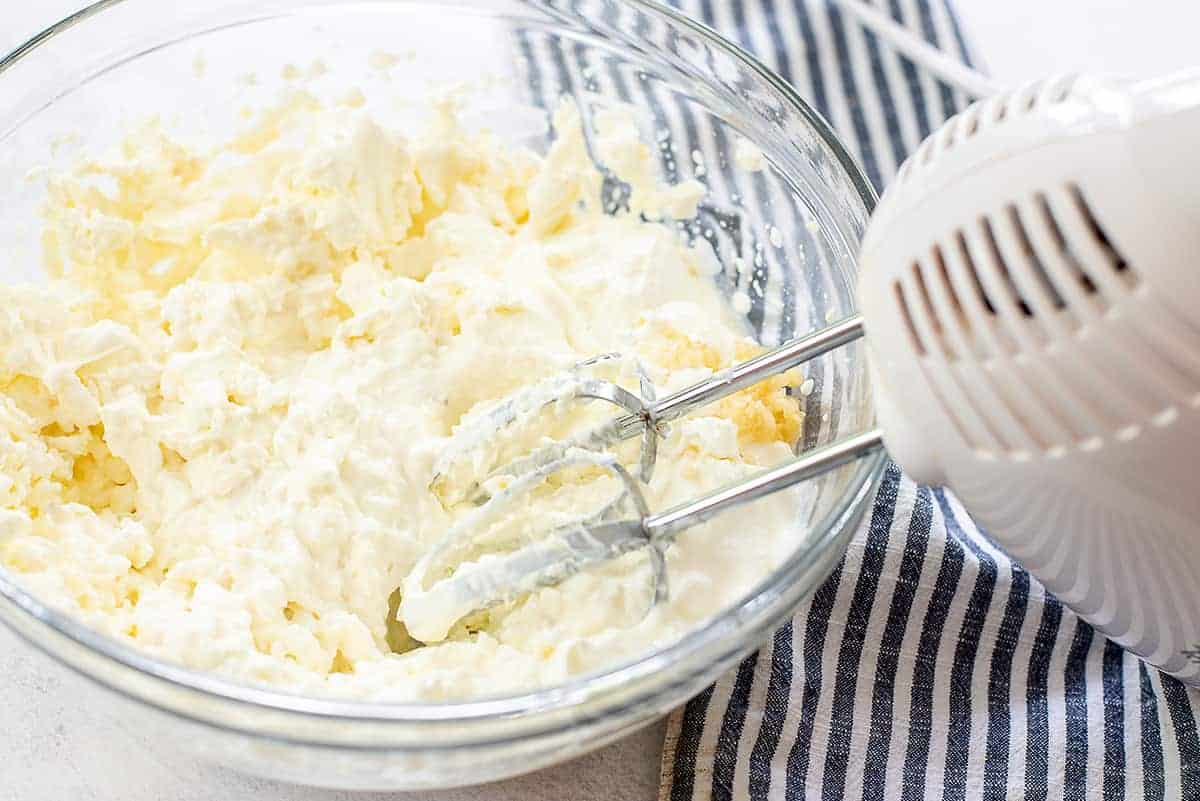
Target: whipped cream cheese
{"type": "Point", "coordinates": [221, 416]}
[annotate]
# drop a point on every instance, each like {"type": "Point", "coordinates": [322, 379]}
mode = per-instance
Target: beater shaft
{"type": "Point", "coordinates": [806, 466]}
{"type": "Point", "coordinates": [740, 376]}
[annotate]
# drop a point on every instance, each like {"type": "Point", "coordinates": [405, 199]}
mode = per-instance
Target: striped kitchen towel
{"type": "Point", "coordinates": [929, 665]}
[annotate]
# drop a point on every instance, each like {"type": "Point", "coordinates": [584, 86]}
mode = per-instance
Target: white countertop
{"type": "Point", "coordinates": [54, 746]}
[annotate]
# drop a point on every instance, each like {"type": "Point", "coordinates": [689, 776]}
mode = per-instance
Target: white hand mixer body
{"type": "Point", "coordinates": [1030, 293]}
{"type": "Point", "coordinates": [1028, 304]}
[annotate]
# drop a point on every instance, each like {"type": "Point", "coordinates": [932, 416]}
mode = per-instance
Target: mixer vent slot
{"type": "Point", "coordinates": [930, 314]}
{"type": "Point", "coordinates": [968, 258]}
{"type": "Point", "coordinates": [906, 314]}
{"type": "Point", "coordinates": [950, 132]}
{"type": "Point", "coordinates": [997, 258]}
{"type": "Point", "coordinates": [1116, 260]}
{"type": "Point", "coordinates": [939, 306]}
{"type": "Point", "coordinates": [1032, 259]}
{"type": "Point", "coordinates": [970, 122]}
{"type": "Point", "coordinates": [1076, 264]}
{"type": "Point", "coordinates": [939, 261]}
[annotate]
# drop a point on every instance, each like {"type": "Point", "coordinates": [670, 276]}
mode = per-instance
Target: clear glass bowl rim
{"type": "Point", "coordinates": [588, 688]}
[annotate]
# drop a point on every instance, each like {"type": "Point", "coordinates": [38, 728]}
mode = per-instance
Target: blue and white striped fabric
{"type": "Point", "coordinates": [929, 666]}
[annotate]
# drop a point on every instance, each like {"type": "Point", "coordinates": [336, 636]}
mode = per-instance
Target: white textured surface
{"type": "Point", "coordinates": [56, 745]}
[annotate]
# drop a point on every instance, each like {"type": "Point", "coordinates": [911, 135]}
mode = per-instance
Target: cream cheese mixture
{"type": "Point", "coordinates": [220, 418]}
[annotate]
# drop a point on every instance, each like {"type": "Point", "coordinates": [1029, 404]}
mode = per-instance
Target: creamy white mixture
{"type": "Point", "coordinates": [220, 419]}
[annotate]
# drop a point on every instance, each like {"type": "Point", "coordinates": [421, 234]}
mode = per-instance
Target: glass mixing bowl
{"type": "Point", "coordinates": [786, 236]}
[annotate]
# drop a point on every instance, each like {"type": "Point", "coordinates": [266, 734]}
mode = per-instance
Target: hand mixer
{"type": "Point", "coordinates": [1029, 306]}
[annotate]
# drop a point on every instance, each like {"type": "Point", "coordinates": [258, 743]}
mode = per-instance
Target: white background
{"type": "Point", "coordinates": [54, 748]}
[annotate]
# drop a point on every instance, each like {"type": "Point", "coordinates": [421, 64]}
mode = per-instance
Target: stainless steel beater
{"type": "Point", "coordinates": [430, 609]}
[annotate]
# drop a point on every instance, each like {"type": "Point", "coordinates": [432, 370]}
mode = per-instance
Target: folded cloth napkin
{"type": "Point", "coordinates": [929, 665]}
